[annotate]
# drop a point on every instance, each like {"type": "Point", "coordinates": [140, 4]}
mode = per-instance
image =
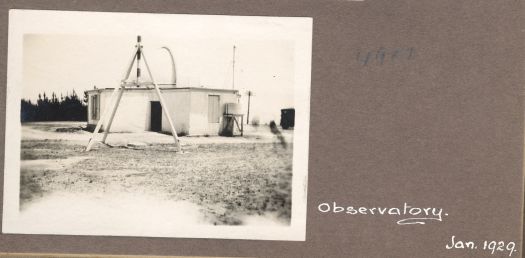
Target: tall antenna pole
{"type": "Point", "coordinates": [248, 114]}
{"type": "Point", "coordinates": [233, 72]}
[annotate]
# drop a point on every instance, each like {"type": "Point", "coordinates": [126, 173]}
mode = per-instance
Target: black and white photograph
{"type": "Point", "coordinates": [157, 125]}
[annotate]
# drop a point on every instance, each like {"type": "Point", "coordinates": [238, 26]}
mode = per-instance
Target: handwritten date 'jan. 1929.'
{"type": "Point", "coordinates": [494, 247]}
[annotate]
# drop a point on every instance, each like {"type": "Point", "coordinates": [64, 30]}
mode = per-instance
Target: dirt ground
{"type": "Point", "coordinates": [228, 178]}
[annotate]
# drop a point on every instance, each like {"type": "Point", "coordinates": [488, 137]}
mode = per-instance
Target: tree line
{"type": "Point", "coordinates": [54, 108]}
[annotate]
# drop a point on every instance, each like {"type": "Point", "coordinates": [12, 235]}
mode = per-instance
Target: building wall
{"type": "Point", "coordinates": [188, 108]}
{"type": "Point", "coordinates": [133, 113]}
{"type": "Point", "coordinates": [199, 124]}
{"type": "Point", "coordinates": [178, 103]}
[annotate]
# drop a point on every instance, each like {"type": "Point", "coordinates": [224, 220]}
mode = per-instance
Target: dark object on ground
{"type": "Point", "coordinates": [69, 129]}
{"type": "Point", "coordinates": [276, 132]}
{"type": "Point", "coordinates": [91, 127]}
{"type": "Point", "coordinates": [287, 118]}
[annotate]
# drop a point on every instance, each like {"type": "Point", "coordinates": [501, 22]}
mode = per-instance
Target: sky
{"type": "Point", "coordinates": [63, 63]}
{"type": "Point", "coordinates": [66, 51]}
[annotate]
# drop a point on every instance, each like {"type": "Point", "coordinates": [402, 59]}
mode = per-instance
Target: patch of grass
{"type": "Point", "coordinates": [68, 129]}
{"type": "Point", "coordinates": [48, 149]}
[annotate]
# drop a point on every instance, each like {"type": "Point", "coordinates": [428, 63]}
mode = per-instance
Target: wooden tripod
{"type": "Point", "coordinates": [118, 92]}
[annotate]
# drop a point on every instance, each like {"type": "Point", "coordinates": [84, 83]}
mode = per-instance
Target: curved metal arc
{"type": "Point", "coordinates": [174, 70]}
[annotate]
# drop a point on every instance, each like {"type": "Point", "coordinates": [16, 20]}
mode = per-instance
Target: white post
{"type": "Point", "coordinates": [163, 105]}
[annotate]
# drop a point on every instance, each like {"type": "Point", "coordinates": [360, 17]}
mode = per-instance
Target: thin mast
{"type": "Point", "coordinates": [248, 115]}
{"type": "Point", "coordinates": [233, 72]}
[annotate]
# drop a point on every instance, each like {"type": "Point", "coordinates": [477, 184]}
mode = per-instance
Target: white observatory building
{"type": "Point", "coordinates": [194, 111]}
{"type": "Point", "coordinates": [138, 108]}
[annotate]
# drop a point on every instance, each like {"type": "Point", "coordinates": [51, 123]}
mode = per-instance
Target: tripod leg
{"type": "Point", "coordinates": [100, 122]}
{"type": "Point", "coordinates": [115, 107]}
{"type": "Point", "coordinates": [170, 121]}
{"type": "Point", "coordinates": [163, 105]}
{"type": "Point", "coordinates": [128, 72]}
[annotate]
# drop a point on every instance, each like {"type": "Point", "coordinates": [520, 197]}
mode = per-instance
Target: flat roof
{"type": "Point", "coordinates": [167, 89]}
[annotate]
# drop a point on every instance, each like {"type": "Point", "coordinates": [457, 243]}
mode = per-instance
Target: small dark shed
{"type": "Point", "coordinates": [287, 118]}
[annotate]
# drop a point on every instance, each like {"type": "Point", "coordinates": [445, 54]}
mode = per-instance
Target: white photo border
{"type": "Point", "coordinates": [298, 29]}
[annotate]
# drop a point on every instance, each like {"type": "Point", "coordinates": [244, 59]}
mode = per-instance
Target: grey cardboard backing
{"type": "Point", "coordinates": [442, 127]}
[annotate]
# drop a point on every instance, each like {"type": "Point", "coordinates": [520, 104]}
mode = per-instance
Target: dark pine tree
{"type": "Point", "coordinates": [68, 108]}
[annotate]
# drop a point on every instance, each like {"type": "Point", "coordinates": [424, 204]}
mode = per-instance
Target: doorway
{"type": "Point", "coordinates": [156, 116]}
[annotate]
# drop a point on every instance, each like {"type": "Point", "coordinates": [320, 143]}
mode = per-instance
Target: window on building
{"type": "Point", "coordinates": [214, 113]}
{"type": "Point", "coordinates": [95, 107]}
